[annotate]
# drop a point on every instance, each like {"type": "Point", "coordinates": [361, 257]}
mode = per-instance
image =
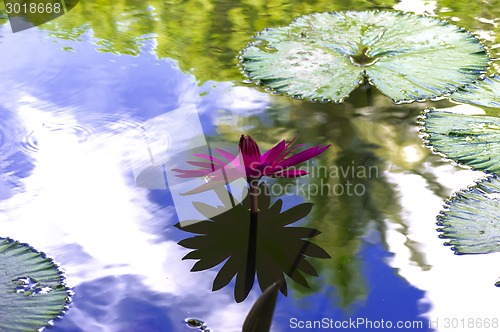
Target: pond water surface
{"type": "Point", "coordinates": [78, 96]}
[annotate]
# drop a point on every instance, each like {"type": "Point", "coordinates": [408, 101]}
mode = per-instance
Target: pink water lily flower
{"type": "Point", "coordinates": [276, 162]}
{"type": "Point", "coordinates": [250, 163]}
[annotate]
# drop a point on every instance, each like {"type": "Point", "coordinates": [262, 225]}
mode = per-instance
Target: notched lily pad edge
{"type": "Point", "coordinates": [425, 136]}
{"type": "Point", "coordinates": [445, 95]}
{"type": "Point", "coordinates": [473, 85]}
{"type": "Point", "coordinates": [449, 203]}
{"type": "Point", "coordinates": [60, 272]}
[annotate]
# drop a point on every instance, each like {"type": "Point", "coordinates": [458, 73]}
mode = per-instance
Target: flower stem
{"type": "Point", "coordinates": [252, 236]}
{"type": "Point", "coordinates": [254, 196]}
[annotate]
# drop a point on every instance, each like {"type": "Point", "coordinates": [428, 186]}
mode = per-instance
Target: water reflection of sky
{"type": "Point", "coordinates": [68, 120]}
{"type": "Point", "coordinates": [67, 186]}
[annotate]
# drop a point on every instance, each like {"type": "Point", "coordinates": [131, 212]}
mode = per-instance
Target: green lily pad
{"type": "Point", "coordinates": [32, 289]}
{"type": "Point", "coordinates": [324, 56]}
{"type": "Point", "coordinates": [471, 219]}
{"type": "Point", "coordinates": [484, 93]}
{"type": "Point", "coordinates": [468, 140]}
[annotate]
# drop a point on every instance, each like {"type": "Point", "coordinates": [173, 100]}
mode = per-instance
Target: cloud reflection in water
{"type": "Point", "coordinates": [76, 198]}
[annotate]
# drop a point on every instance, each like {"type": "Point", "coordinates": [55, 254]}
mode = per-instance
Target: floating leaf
{"type": "Point", "coordinates": [327, 55]}
{"type": "Point", "coordinates": [32, 290]}
{"type": "Point", "coordinates": [484, 93]}
{"type": "Point", "coordinates": [469, 140]}
{"type": "Point", "coordinates": [278, 249]}
{"type": "Point", "coordinates": [471, 219]}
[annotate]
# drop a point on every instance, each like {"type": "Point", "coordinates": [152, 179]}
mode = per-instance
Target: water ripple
{"type": "Point", "coordinates": [57, 133]}
{"type": "Point", "coordinates": [31, 140]}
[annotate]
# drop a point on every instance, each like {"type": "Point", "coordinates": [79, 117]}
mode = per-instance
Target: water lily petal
{"type": "Point", "coordinates": [250, 151]}
{"type": "Point", "coordinates": [211, 158]}
{"type": "Point", "coordinates": [218, 179]}
{"type": "Point", "coordinates": [232, 158]}
{"type": "Point", "coordinates": [287, 152]}
{"type": "Point", "coordinates": [290, 173]}
{"type": "Point", "coordinates": [208, 166]}
{"type": "Point", "coordinates": [273, 153]}
{"type": "Point", "coordinates": [303, 156]}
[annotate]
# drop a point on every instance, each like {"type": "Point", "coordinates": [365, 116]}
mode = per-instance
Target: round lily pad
{"type": "Point", "coordinates": [32, 289]}
{"type": "Point", "coordinates": [325, 56]}
{"type": "Point", "coordinates": [471, 219]}
{"type": "Point", "coordinates": [470, 140]}
{"type": "Point", "coordinates": [484, 93]}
